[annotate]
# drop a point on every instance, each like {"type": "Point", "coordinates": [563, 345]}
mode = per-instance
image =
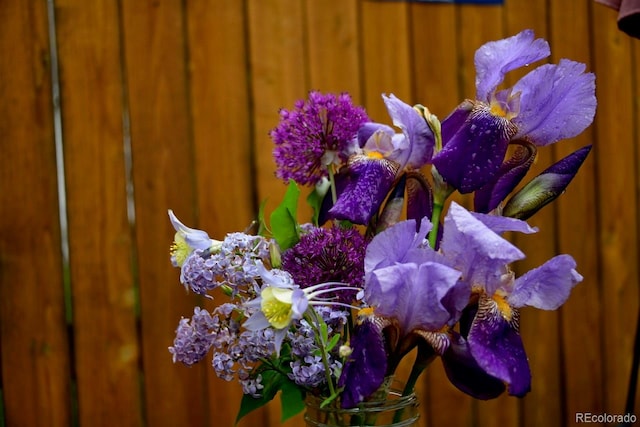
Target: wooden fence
{"type": "Point", "coordinates": [113, 111]}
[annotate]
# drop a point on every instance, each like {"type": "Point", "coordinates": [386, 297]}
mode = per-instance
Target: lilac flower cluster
{"type": "Point", "coordinates": [307, 369]}
{"type": "Point", "coordinates": [232, 263]}
{"type": "Point", "coordinates": [333, 308]}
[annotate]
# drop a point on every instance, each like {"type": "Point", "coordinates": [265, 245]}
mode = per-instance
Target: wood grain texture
{"type": "Point", "coordinates": [223, 160]}
{"type": "Point", "coordinates": [195, 88]}
{"type": "Point", "coordinates": [100, 242]}
{"type": "Point", "coordinates": [617, 204]}
{"type": "Point", "coordinates": [154, 54]}
{"type": "Point", "coordinates": [34, 349]}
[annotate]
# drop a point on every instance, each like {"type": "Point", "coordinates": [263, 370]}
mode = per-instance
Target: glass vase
{"type": "Point", "coordinates": [392, 410]}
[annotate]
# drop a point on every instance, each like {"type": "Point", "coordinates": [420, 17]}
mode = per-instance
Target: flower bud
{"type": "Point", "coordinates": [546, 187]}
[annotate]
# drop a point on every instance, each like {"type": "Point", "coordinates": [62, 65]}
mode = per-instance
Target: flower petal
{"type": "Point", "coordinates": [473, 155]}
{"type": "Point", "coordinates": [418, 147]}
{"type": "Point", "coordinates": [367, 183]}
{"type": "Point", "coordinates": [413, 294]}
{"type": "Point", "coordinates": [196, 239]}
{"type": "Point", "coordinates": [494, 59]}
{"type": "Point", "coordinates": [557, 102]}
{"type": "Point", "coordinates": [464, 372]}
{"type": "Point", "coordinates": [365, 369]}
{"type": "Point", "coordinates": [477, 251]}
{"type": "Point", "coordinates": [508, 177]}
{"type": "Point", "coordinates": [548, 286]}
{"type": "Point", "coordinates": [496, 345]}
{"type": "Point", "coordinates": [393, 244]}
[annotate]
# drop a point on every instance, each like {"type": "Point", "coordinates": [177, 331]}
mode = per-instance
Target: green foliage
{"type": "Point", "coordinates": [274, 381]}
{"type": "Point", "coordinates": [314, 199]}
{"type": "Point", "coordinates": [283, 219]}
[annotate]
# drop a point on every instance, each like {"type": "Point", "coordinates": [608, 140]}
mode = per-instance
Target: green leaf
{"type": "Point", "coordinates": [272, 382]}
{"type": "Point", "coordinates": [283, 219]}
{"type": "Point", "coordinates": [291, 400]}
{"type": "Point", "coordinates": [333, 342]}
{"type": "Point", "coordinates": [314, 199]}
{"type": "Point", "coordinates": [262, 226]}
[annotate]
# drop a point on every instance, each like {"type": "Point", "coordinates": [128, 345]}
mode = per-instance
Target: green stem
{"type": "Point", "coordinates": [332, 183]}
{"type": "Point", "coordinates": [435, 221]}
{"type": "Point", "coordinates": [315, 320]}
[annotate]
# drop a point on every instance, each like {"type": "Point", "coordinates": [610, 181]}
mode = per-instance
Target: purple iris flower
{"type": "Point", "coordinates": [550, 103]}
{"type": "Point", "coordinates": [383, 156]}
{"type": "Point", "coordinates": [483, 256]}
{"type": "Point", "coordinates": [416, 288]}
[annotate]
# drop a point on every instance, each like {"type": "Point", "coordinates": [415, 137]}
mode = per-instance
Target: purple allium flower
{"type": "Point", "coordinates": [552, 102]}
{"type": "Point", "coordinates": [193, 337]}
{"type": "Point", "coordinates": [316, 133]}
{"type": "Point", "coordinates": [333, 254]}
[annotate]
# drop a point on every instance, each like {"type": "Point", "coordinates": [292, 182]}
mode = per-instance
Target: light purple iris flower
{"type": "Point", "coordinates": [483, 256]}
{"type": "Point", "coordinates": [550, 103]}
{"type": "Point", "coordinates": [407, 281]}
{"type": "Point", "coordinates": [384, 155]}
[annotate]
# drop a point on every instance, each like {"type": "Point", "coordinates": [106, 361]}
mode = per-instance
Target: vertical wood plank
{"type": "Point", "coordinates": [33, 331]}
{"type": "Point", "coordinates": [581, 324]}
{"type": "Point", "coordinates": [223, 161]}
{"type": "Point", "coordinates": [539, 329]}
{"type": "Point", "coordinates": [163, 177]}
{"type": "Point", "coordinates": [386, 57]}
{"type": "Point", "coordinates": [435, 57]}
{"type": "Point", "coordinates": [617, 204]}
{"type": "Point", "coordinates": [334, 46]}
{"type": "Point", "coordinates": [279, 77]}
{"type": "Point", "coordinates": [107, 351]}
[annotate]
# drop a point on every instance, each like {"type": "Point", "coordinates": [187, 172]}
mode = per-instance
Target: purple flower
{"type": "Point", "coordinates": [186, 240]}
{"type": "Point", "coordinates": [319, 132]}
{"type": "Point", "coordinates": [384, 155]}
{"type": "Point", "coordinates": [552, 102]}
{"type": "Point", "coordinates": [282, 302]}
{"type": "Point", "coordinates": [413, 287]}
{"type": "Point", "coordinates": [193, 337]}
{"type": "Point", "coordinates": [366, 366]}
{"type": "Point", "coordinates": [322, 255]}
{"type": "Point", "coordinates": [474, 247]}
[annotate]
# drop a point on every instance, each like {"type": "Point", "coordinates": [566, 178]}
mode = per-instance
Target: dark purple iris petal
{"type": "Point", "coordinates": [454, 121]}
{"type": "Point", "coordinates": [366, 367]}
{"type": "Point", "coordinates": [473, 155]}
{"type": "Point", "coordinates": [496, 345]}
{"type": "Point", "coordinates": [366, 185]}
{"type": "Point", "coordinates": [464, 372]}
{"type": "Point", "coordinates": [508, 177]}
{"type": "Point", "coordinates": [419, 197]}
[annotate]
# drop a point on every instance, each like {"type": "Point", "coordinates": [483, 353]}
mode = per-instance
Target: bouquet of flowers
{"type": "Point", "coordinates": [330, 307]}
